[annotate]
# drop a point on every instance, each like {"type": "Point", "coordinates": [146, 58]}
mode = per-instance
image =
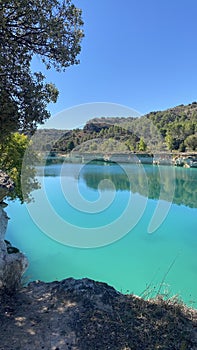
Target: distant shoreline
{"type": "Point", "coordinates": [187, 160]}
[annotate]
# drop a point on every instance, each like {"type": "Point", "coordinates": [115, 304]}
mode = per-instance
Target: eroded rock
{"type": "Point", "coordinates": [12, 262]}
{"type": "Point", "coordinates": [6, 185]}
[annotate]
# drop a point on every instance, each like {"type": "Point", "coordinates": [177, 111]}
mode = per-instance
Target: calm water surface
{"type": "Point", "coordinates": [164, 261]}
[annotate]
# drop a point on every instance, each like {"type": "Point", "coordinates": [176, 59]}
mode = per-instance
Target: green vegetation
{"type": "Point", "coordinates": [97, 137]}
{"type": "Point", "coordinates": [172, 130]}
{"type": "Point", "coordinates": [185, 189]}
{"type": "Point", "coordinates": [178, 126]}
{"type": "Point", "coordinates": [50, 29]}
{"type": "Point", "coordinates": [142, 145]}
{"type": "Point", "coordinates": [12, 153]}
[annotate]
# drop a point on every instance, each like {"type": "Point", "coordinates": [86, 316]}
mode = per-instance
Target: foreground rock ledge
{"type": "Point", "coordinates": [88, 315]}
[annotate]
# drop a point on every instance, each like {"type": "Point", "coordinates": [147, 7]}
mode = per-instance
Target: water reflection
{"type": "Point", "coordinates": [146, 181]}
{"type": "Point", "coordinates": [185, 181]}
{"type": "Point", "coordinates": [132, 263]}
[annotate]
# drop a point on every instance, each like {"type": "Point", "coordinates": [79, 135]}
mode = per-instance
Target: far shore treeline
{"type": "Point", "coordinates": [174, 129]}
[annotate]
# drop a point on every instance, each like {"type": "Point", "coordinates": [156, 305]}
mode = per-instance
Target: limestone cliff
{"type": "Point", "coordinates": [6, 185]}
{"type": "Point", "coordinates": [12, 262]}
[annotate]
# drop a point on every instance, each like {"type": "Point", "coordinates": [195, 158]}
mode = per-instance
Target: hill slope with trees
{"type": "Point", "coordinates": [174, 129]}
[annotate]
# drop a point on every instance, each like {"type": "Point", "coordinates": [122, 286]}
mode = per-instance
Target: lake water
{"type": "Point", "coordinates": [109, 232]}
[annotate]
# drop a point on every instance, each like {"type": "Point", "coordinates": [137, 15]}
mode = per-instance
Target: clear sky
{"type": "Point", "coordinates": [138, 53]}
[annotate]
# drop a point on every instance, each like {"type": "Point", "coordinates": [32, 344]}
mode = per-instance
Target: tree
{"type": "Point", "coordinates": [142, 146]}
{"type": "Point", "coordinates": [191, 142]}
{"type": "Point", "coordinates": [169, 142]}
{"type": "Point", "coordinates": [12, 152]}
{"type": "Point", "coordinates": [70, 145]}
{"type": "Point", "coordinates": [50, 29]}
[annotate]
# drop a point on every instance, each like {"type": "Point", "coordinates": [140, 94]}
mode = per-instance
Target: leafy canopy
{"type": "Point", "coordinates": [12, 152]}
{"type": "Point", "coordinates": [50, 29]}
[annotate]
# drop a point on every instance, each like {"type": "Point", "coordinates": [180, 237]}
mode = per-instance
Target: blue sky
{"type": "Point", "coordinates": [137, 53]}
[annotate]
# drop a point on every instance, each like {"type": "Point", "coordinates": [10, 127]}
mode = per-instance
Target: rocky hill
{"type": "Point", "coordinates": [174, 129]}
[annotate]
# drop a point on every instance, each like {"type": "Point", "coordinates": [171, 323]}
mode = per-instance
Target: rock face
{"type": "Point", "coordinates": [12, 262]}
{"type": "Point", "coordinates": [96, 127]}
{"type": "Point", "coordinates": [6, 185]}
{"type": "Point", "coordinates": [88, 315]}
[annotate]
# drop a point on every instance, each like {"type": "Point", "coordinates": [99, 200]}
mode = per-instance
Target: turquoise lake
{"type": "Point", "coordinates": [137, 261]}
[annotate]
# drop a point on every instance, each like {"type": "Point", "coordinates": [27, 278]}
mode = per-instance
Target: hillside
{"type": "Point", "coordinates": [178, 126]}
{"type": "Point", "coordinates": [174, 129]}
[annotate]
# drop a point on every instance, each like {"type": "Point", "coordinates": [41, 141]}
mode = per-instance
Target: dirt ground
{"type": "Point", "coordinates": [88, 315]}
